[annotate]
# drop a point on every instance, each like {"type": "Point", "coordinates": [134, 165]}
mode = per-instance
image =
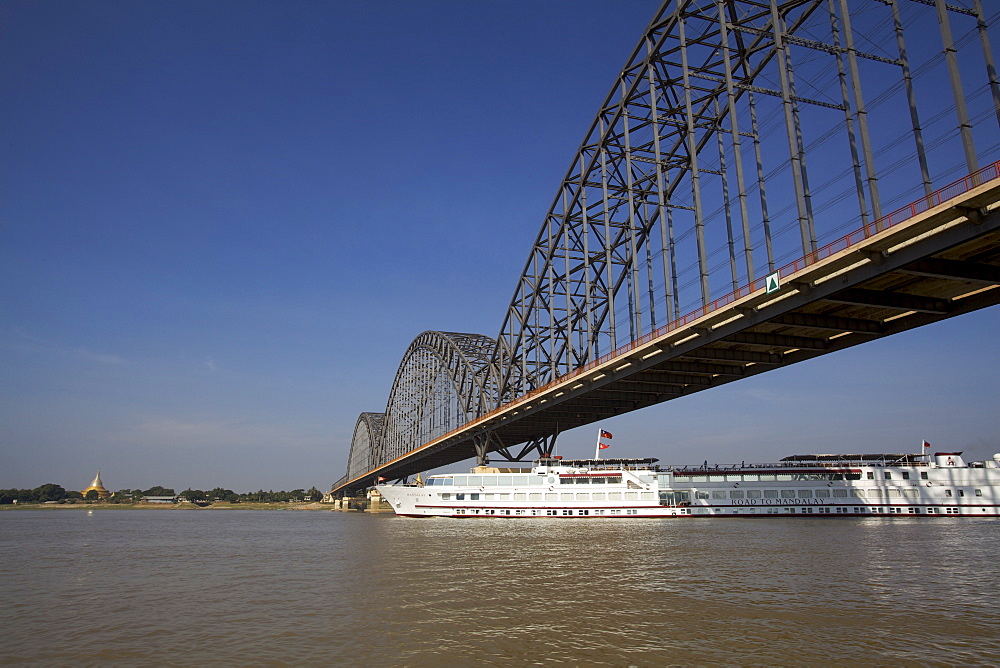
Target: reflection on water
{"type": "Point", "coordinates": [246, 587]}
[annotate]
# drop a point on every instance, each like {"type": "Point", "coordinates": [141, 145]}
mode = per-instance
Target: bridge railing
{"type": "Point", "coordinates": [938, 197]}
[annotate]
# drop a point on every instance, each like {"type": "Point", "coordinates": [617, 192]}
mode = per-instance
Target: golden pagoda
{"type": "Point", "coordinates": [98, 487]}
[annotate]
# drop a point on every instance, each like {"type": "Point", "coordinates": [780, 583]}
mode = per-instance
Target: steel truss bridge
{"type": "Point", "coordinates": [767, 181]}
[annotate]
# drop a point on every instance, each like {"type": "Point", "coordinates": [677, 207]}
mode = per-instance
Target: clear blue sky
{"type": "Point", "coordinates": [222, 223]}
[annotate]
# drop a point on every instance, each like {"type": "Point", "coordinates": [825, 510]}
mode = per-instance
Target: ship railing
{"type": "Point", "coordinates": [770, 466]}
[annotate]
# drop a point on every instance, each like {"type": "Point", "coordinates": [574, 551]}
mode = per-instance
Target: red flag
{"type": "Point", "coordinates": [926, 444]}
{"type": "Point", "coordinates": [604, 446]}
{"type": "Point", "coordinates": [605, 434]}
{"type": "Point", "coordinates": [380, 478]}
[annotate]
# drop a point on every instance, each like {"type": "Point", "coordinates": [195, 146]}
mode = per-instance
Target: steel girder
{"type": "Point", "coordinates": [723, 104]}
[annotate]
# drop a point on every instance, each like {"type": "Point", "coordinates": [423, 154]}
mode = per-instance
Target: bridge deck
{"type": "Point", "coordinates": [935, 259]}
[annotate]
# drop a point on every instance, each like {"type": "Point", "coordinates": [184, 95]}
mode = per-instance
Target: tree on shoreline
{"type": "Point", "coordinates": [53, 492]}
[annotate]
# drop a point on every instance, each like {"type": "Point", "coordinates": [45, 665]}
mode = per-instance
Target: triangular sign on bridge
{"type": "Point", "coordinates": [773, 282]}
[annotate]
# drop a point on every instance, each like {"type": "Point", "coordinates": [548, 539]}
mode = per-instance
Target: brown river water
{"type": "Point", "coordinates": [182, 588]}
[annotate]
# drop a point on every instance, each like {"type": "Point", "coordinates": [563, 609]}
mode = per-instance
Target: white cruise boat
{"type": "Point", "coordinates": [881, 485]}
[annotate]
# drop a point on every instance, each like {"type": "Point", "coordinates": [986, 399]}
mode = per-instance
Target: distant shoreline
{"type": "Point", "coordinates": [165, 506]}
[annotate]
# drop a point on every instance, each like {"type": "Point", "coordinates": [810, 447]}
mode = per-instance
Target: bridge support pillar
{"type": "Point", "coordinates": [377, 504]}
{"type": "Point", "coordinates": [482, 443]}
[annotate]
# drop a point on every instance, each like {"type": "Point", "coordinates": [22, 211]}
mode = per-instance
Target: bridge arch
{"type": "Point", "coordinates": [367, 431]}
{"type": "Point", "coordinates": [444, 380]}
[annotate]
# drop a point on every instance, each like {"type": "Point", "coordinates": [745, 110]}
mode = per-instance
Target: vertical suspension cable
{"type": "Point", "coordinates": [911, 99]}
{"type": "Point", "coordinates": [692, 148]}
{"type": "Point", "coordinates": [734, 130]}
{"type": "Point", "coordinates": [761, 188]}
{"type": "Point", "coordinates": [791, 126]}
{"type": "Point", "coordinates": [852, 141]}
{"type": "Point", "coordinates": [964, 127]}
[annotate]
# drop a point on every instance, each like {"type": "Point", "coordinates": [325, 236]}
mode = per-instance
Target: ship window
{"type": "Point", "coordinates": [751, 477]}
{"type": "Point", "coordinates": [647, 496]}
{"type": "Point", "coordinates": [521, 480]}
{"type": "Point", "coordinates": [701, 495]}
{"type": "Point", "coordinates": [631, 496]}
{"type": "Point", "coordinates": [583, 496]}
{"type": "Point", "coordinates": [503, 497]}
{"type": "Point", "coordinates": [894, 494]}
{"type": "Point", "coordinates": [961, 492]}
{"type": "Point", "coordinates": [910, 493]}
{"type": "Point", "coordinates": [859, 493]}
{"type": "Point", "coordinates": [534, 496]}
{"type": "Point", "coordinates": [805, 493]}
{"type": "Point", "coordinates": [770, 494]}
{"type": "Point", "coordinates": [614, 496]}
{"type": "Point", "coordinates": [505, 480]}
{"type": "Point", "coordinates": [475, 480]}
{"type": "Point", "coordinates": [551, 496]}
{"type": "Point", "coordinates": [906, 475]}
{"type": "Point", "coordinates": [682, 478]}
{"type": "Point", "coordinates": [923, 475]}
{"type": "Point", "coordinates": [584, 512]}
{"type": "Point", "coordinates": [947, 492]}
{"type": "Point", "coordinates": [753, 493]}
{"type": "Point", "coordinates": [719, 494]}
{"type": "Point", "coordinates": [840, 493]}
{"type": "Point", "coordinates": [460, 497]}
{"type": "Point", "coordinates": [853, 476]}
{"type": "Point", "coordinates": [979, 492]}
{"type": "Point", "coordinates": [736, 494]}
{"type": "Point", "coordinates": [599, 496]}
{"type": "Point", "coordinates": [783, 476]}
{"type": "Point", "coordinates": [767, 477]}
{"type": "Point", "coordinates": [551, 512]}
{"type": "Point", "coordinates": [888, 475]}
{"type": "Point", "coordinates": [871, 475]}
{"type": "Point", "coordinates": [473, 497]}
{"type": "Point", "coordinates": [566, 497]}
{"type": "Point", "coordinates": [788, 493]}
{"type": "Point", "coordinates": [567, 512]}
{"type": "Point", "coordinates": [716, 478]}
{"type": "Point", "coordinates": [461, 480]}
{"type": "Point", "coordinates": [822, 493]}
{"type": "Point", "coordinates": [519, 496]}
{"type": "Point", "coordinates": [446, 496]}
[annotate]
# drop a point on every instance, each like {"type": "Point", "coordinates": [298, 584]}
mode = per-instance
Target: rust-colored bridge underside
{"type": "Point", "coordinates": [939, 264]}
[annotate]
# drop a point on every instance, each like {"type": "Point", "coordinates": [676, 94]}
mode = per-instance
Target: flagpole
{"type": "Point", "coordinates": [597, 448]}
